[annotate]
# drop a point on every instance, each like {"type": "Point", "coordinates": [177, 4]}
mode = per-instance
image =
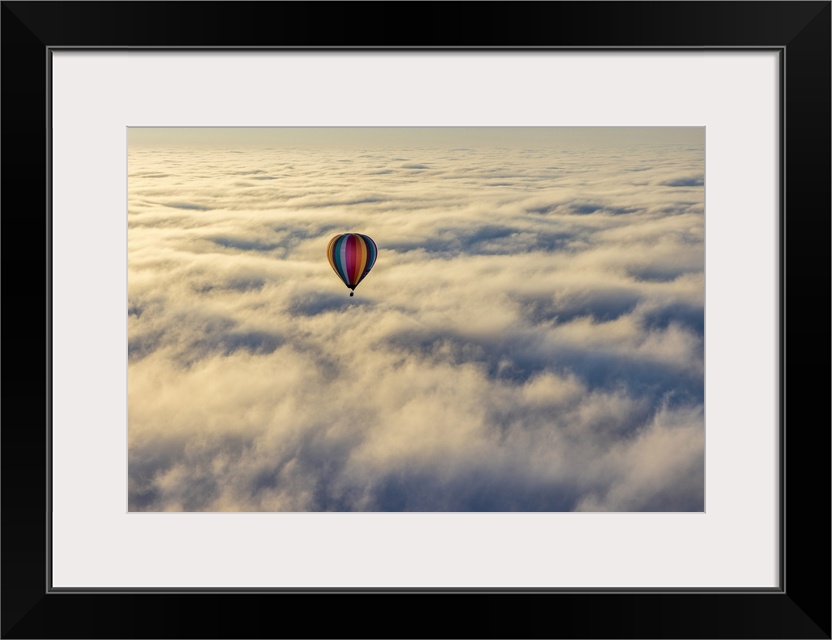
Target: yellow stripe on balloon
{"type": "Point", "coordinates": [361, 261]}
{"type": "Point", "coordinates": [329, 254]}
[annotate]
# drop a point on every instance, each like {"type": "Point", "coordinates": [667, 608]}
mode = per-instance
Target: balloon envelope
{"type": "Point", "coordinates": [352, 255]}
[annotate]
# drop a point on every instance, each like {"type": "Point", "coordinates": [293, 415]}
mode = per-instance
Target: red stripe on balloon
{"type": "Point", "coordinates": [351, 258]}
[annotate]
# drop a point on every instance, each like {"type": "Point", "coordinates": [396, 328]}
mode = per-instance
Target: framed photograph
{"type": "Point", "coordinates": [496, 308]}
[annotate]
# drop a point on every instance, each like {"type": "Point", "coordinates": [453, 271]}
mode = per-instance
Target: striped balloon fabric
{"type": "Point", "coordinates": [352, 255]}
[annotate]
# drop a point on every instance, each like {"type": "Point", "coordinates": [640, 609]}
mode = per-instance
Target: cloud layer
{"type": "Point", "coordinates": [530, 339]}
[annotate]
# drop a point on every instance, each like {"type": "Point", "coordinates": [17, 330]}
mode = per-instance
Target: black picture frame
{"type": "Point", "coordinates": [799, 608]}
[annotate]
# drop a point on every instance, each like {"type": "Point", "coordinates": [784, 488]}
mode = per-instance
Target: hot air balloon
{"type": "Point", "coordinates": [352, 255]}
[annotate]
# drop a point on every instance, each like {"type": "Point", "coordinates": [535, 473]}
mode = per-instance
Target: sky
{"type": "Point", "coordinates": [531, 337]}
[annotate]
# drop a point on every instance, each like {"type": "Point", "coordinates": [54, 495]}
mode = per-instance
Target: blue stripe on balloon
{"type": "Point", "coordinates": [372, 252]}
{"type": "Point", "coordinates": [340, 258]}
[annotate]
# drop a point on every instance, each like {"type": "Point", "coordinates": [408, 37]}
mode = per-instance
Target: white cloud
{"type": "Point", "coordinates": [531, 337]}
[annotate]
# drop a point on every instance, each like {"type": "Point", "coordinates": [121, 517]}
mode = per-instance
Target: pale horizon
{"type": "Point", "coordinates": [414, 137]}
